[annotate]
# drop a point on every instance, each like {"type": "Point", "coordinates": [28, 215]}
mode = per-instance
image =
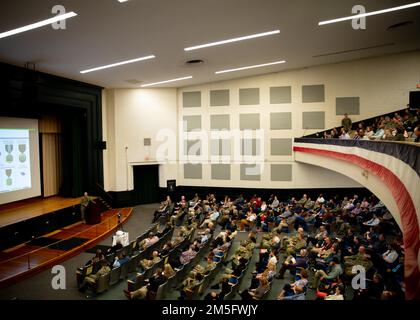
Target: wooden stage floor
{"type": "Point", "coordinates": [27, 259]}
{"type": "Point", "coordinates": [26, 209]}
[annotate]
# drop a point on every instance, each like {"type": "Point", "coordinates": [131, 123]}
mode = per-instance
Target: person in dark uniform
{"type": "Point", "coordinates": [84, 202]}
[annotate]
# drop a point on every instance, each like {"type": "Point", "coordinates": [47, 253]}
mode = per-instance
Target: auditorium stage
{"type": "Point", "coordinates": [47, 249]}
{"type": "Point", "coordinates": [27, 209]}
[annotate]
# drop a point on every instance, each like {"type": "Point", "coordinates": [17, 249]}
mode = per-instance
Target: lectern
{"type": "Point", "coordinates": [93, 212]}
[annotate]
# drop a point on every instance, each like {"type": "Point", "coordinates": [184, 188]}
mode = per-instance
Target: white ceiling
{"type": "Point", "coordinates": [106, 31]}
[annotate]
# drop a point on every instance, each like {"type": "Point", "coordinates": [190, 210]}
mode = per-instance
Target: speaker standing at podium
{"type": "Point", "coordinates": [84, 202]}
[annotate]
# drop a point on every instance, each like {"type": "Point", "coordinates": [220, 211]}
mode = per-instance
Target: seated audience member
{"type": "Point", "coordinates": [207, 268]}
{"type": "Point", "coordinates": [344, 135]}
{"type": "Point", "coordinates": [97, 258]}
{"type": "Point", "coordinates": [334, 272]}
{"type": "Point", "coordinates": [212, 295]}
{"type": "Point", "coordinates": [180, 213]}
{"type": "Point", "coordinates": [417, 134]}
{"type": "Point", "coordinates": [338, 294]}
{"type": "Point", "coordinates": [116, 247]}
{"type": "Point", "coordinates": [373, 291]}
{"type": "Point", "coordinates": [167, 248]}
{"type": "Point", "coordinates": [90, 280]}
{"type": "Point", "coordinates": [291, 263]}
{"type": "Point", "coordinates": [360, 135]}
{"type": "Point", "coordinates": [148, 263]}
{"type": "Point", "coordinates": [168, 271]}
{"type": "Point", "coordinates": [258, 293]}
{"type": "Point", "coordinates": [297, 287]}
{"type": "Point", "coordinates": [153, 284]}
{"type": "Point", "coordinates": [359, 259]}
{"type": "Point", "coordinates": [369, 132]}
{"type": "Point", "coordinates": [188, 255]}
{"type": "Point", "coordinates": [319, 237]}
{"type": "Point", "coordinates": [399, 136]}
{"type": "Point", "coordinates": [189, 284]}
{"type": "Point", "coordinates": [160, 233]}
{"type": "Point", "coordinates": [120, 261]}
{"type": "Point", "coordinates": [391, 256]}
{"type": "Point", "coordinates": [163, 209]}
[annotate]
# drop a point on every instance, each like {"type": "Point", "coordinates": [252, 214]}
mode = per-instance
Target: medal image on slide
{"type": "Point", "coordinates": [22, 155]}
{"type": "Point", "coordinates": [9, 180]}
{"type": "Point", "coordinates": [9, 150]}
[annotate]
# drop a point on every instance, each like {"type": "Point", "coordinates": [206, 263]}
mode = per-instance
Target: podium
{"type": "Point", "coordinates": [93, 212]}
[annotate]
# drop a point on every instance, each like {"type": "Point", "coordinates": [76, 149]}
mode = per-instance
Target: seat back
{"type": "Point", "coordinates": [102, 283]}
{"type": "Point", "coordinates": [230, 295]}
{"type": "Point", "coordinates": [124, 270]}
{"type": "Point", "coordinates": [132, 264]}
{"type": "Point", "coordinates": [160, 292]}
{"type": "Point", "coordinates": [115, 276]}
{"type": "Point", "coordinates": [82, 273]}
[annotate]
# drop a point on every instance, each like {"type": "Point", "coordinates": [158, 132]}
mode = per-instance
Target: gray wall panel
{"type": "Point", "coordinates": [350, 105]}
{"type": "Point", "coordinates": [313, 93]}
{"type": "Point", "coordinates": [191, 123]}
{"type": "Point", "coordinates": [250, 147]}
{"type": "Point", "coordinates": [220, 171]}
{"type": "Point", "coordinates": [250, 121]}
{"type": "Point", "coordinates": [313, 120]}
{"type": "Point", "coordinates": [220, 147]}
{"type": "Point", "coordinates": [191, 99]}
{"type": "Point", "coordinates": [193, 171]}
{"type": "Point", "coordinates": [280, 95]}
{"type": "Point", "coordinates": [219, 122]}
{"type": "Point", "coordinates": [219, 98]}
{"type": "Point", "coordinates": [281, 121]}
{"type": "Point", "coordinates": [192, 147]}
{"type": "Point", "coordinates": [281, 147]}
{"type": "Point", "coordinates": [281, 172]}
{"type": "Point", "coordinates": [251, 172]}
{"type": "Point", "coordinates": [249, 96]}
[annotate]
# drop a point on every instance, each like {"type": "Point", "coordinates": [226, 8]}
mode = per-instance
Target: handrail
{"type": "Point", "coordinates": [104, 194]}
{"type": "Point", "coordinates": [88, 229]}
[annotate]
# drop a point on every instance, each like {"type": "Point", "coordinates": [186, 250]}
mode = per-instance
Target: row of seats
{"type": "Point", "coordinates": [181, 272]}
{"type": "Point", "coordinates": [119, 273]}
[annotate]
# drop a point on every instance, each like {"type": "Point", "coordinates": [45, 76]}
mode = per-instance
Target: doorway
{"type": "Point", "coordinates": [146, 184]}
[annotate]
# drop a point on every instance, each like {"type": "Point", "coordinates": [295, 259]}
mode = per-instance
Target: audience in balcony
{"type": "Point", "coordinates": [417, 134]}
{"type": "Point", "coordinates": [400, 126]}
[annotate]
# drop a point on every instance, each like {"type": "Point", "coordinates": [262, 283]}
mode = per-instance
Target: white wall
{"type": "Point", "coordinates": [132, 115]}
{"type": "Point", "coordinates": [381, 83]}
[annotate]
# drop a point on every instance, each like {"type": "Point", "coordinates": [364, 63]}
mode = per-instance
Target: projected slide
{"type": "Point", "coordinates": [15, 166]}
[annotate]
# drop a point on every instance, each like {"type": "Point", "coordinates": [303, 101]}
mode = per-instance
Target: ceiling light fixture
{"type": "Point", "coordinates": [252, 36]}
{"type": "Point", "coordinates": [37, 24]}
{"type": "Point", "coordinates": [119, 64]}
{"type": "Point", "coordinates": [166, 81]}
{"type": "Point", "coordinates": [251, 67]}
{"type": "Point", "coordinates": [367, 14]}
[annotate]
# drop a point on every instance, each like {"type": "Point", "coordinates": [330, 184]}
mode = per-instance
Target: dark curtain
{"type": "Point", "coordinates": [74, 155]}
{"type": "Point", "coordinates": [146, 184]}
